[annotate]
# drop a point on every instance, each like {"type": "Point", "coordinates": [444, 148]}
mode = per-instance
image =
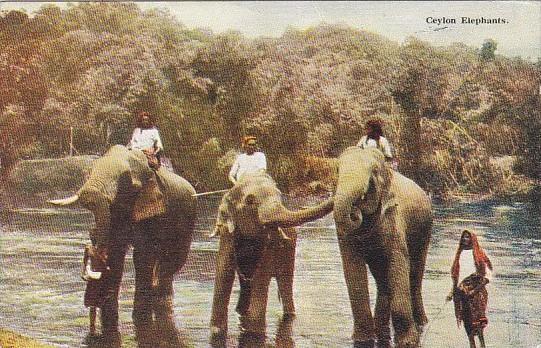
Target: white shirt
{"type": "Point", "coordinates": [467, 266]}
{"type": "Point", "coordinates": [143, 139]}
{"type": "Point", "coordinates": [248, 164]}
{"type": "Point", "coordinates": [383, 145]}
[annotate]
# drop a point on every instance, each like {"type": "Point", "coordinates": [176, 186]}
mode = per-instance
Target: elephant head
{"type": "Point", "coordinates": [254, 214]}
{"type": "Point", "coordinates": [120, 188]}
{"type": "Point", "coordinates": [362, 189]}
{"type": "Point", "coordinates": [254, 206]}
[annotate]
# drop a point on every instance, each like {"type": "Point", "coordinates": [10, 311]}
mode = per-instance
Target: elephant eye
{"type": "Point", "coordinates": [250, 199]}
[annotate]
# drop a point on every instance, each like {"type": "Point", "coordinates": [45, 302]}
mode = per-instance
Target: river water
{"type": "Point", "coordinates": [42, 294]}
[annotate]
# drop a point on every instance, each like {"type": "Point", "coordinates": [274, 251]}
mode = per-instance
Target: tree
{"type": "Point", "coordinates": [487, 50]}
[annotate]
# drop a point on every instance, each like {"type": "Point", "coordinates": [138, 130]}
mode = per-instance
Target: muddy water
{"type": "Point", "coordinates": [41, 292]}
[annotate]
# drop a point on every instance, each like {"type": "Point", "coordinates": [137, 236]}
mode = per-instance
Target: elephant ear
{"type": "Point", "coordinates": [150, 200]}
{"type": "Point", "coordinates": [383, 182]}
{"type": "Point", "coordinates": [224, 221]}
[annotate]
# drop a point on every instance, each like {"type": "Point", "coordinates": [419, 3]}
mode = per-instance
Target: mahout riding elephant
{"type": "Point", "coordinates": [257, 241]}
{"type": "Point", "coordinates": [383, 221]}
{"type": "Point", "coordinates": [155, 211]}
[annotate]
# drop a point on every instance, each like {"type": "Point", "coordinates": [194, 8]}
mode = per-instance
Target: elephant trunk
{"type": "Point", "coordinates": [347, 214]}
{"type": "Point", "coordinates": [100, 205]}
{"type": "Point", "coordinates": [283, 217]}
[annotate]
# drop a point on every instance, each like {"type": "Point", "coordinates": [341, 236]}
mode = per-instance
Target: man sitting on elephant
{"type": "Point", "coordinates": [249, 163]}
{"type": "Point", "coordinates": [146, 138]}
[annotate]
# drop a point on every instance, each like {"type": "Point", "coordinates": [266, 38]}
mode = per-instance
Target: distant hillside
{"type": "Point", "coordinates": [82, 73]}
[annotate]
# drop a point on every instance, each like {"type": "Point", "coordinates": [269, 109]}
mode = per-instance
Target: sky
{"type": "Point", "coordinates": [396, 20]}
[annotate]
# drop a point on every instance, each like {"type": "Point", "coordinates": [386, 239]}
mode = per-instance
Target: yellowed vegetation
{"type": "Point", "coordinates": [10, 339]}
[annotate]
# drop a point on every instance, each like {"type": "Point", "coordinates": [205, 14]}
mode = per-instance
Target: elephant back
{"type": "Point", "coordinates": [178, 191]}
{"type": "Point", "coordinates": [411, 198]}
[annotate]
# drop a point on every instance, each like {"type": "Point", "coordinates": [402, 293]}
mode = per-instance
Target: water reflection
{"type": "Point", "coordinates": [41, 249]}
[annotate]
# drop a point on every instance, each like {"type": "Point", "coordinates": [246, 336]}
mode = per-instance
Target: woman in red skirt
{"type": "Point", "coordinates": [470, 274]}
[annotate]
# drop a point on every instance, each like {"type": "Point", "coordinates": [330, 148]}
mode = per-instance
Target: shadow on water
{"type": "Point", "coordinates": [283, 338]}
{"type": "Point", "coordinates": [41, 290]}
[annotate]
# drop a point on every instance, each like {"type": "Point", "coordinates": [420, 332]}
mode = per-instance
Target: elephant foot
{"type": "Point", "coordinates": [91, 337]}
{"type": "Point", "coordinates": [289, 316]}
{"type": "Point", "coordinates": [111, 340]}
{"type": "Point", "coordinates": [408, 340]}
{"type": "Point", "coordinates": [218, 337]}
{"type": "Point", "coordinates": [384, 344]}
{"type": "Point", "coordinates": [284, 334]}
{"type": "Point", "coordinates": [364, 344]}
{"type": "Point", "coordinates": [170, 340]}
{"type": "Point", "coordinates": [145, 335]}
{"type": "Point", "coordinates": [251, 327]}
{"type": "Point", "coordinates": [251, 340]}
{"type": "Point", "coordinates": [421, 320]}
{"type": "Point", "coordinates": [216, 331]}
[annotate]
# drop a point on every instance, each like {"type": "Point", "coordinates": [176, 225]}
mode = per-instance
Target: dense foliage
{"type": "Point", "coordinates": [450, 112]}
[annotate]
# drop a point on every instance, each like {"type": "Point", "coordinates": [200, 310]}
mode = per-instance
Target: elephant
{"type": "Point", "coordinates": [383, 221]}
{"type": "Point", "coordinates": [154, 211]}
{"type": "Point", "coordinates": [257, 241]}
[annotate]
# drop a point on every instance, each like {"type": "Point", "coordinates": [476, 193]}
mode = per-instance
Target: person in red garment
{"type": "Point", "coordinates": [470, 273]}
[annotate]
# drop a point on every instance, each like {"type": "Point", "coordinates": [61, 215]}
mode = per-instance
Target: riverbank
{"type": "Point", "coordinates": [10, 339]}
{"type": "Point", "coordinates": [35, 181]}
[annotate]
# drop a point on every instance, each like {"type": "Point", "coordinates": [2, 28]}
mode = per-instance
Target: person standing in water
{"type": "Point", "coordinates": [470, 274]}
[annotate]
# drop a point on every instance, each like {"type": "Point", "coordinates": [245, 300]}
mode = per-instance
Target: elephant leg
{"type": "Point", "coordinates": [284, 261]}
{"type": "Point", "coordinates": [284, 333]}
{"type": "Point", "coordinates": [417, 268]}
{"type": "Point", "coordinates": [144, 259]}
{"type": "Point", "coordinates": [172, 253]}
{"type": "Point", "coordinates": [254, 321]}
{"type": "Point", "coordinates": [223, 284]}
{"type": "Point", "coordinates": [163, 311]}
{"type": "Point", "coordinates": [285, 289]}
{"type": "Point", "coordinates": [109, 310]}
{"type": "Point", "coordinates": [248, 254]}
{"type": "Point", "coordinates": [382, 315]}
{"type": "Point", "coordinates": [406, 334]}
{"type": "Point", "coordinates": [244, 296]}
{"type": "Point", "coordinates": [356, 276]}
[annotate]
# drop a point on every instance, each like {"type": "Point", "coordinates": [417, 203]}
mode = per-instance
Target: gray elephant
{"type": "Point", "coordinates": [257, 241]}
{"type": "Point", "coordinates": [153, 211]}
{"type": "Point", "coordinates": [383, 221]}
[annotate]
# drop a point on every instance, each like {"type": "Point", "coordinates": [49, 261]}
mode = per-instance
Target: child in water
{"type": "Point", "coordinates": [94, 273]}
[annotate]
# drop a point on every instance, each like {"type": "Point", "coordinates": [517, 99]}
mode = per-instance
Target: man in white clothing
{"type": "Point", "coordinates": [374, 138]}
{"type": "Point", "coordinates": [250, 162]}
{"type": "Point", "coordinates": [146, 138]}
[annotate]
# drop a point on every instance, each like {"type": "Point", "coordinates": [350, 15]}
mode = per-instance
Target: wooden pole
{"type": "Point", "coordinates": [209, 193]}
{"type": "Point", "coordinates": [71, 141]}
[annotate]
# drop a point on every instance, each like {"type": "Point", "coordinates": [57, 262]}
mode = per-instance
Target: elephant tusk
{"type": "Point", "coordinates": [90, 274]}
{"type": "Point", "coordinates": [282, 234]}
{"type": "Point", "coordinates": [64, 201]}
